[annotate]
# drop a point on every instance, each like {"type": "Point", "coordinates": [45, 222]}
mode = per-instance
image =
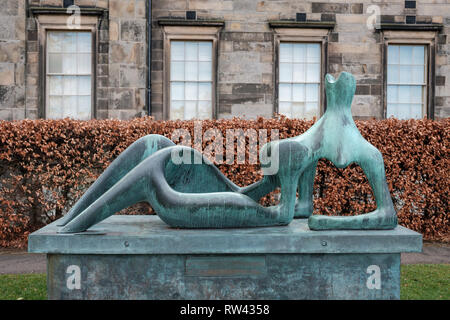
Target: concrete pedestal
{"type": "Point", "coordinates": [140, 257]}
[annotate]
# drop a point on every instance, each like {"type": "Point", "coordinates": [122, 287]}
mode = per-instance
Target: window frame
{"type": "Point", "coordinates": [424, 38]}
{"type": "Point", "coordinates": [303, 35]}
{"type": "Point", "coordinates": [58, 23]}
{"type": "Point", "coordinates": [187, 33]}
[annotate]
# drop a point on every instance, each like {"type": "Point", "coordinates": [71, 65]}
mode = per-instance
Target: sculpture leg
{"type": "Point", "coordinates": [125, 162]}
{"type": "Point", "coordinates": [384, 217]}
{"type": "Point", "coordinates": [130, 190]}
{"type": "Point", "coordinates": [304, 205]}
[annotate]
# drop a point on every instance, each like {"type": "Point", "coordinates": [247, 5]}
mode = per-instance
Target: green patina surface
{"type": "Point", "coordinates": [190, 195]}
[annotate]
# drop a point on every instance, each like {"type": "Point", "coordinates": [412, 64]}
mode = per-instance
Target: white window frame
{"type": "Point", "coordinates": [301, 35]}
{"type": "Point", "coordinates": [53, 22]}
{"type": "Point", "coordinates": [426, 38]}
{"type": "Point", "coordinates": [189, 33]}
{"type": "Point", "coordinates": [424, 85]}
{"type": "Point", "coordinates": [48, 74]}
{"type": "Point", "coordinates": [319, 83]}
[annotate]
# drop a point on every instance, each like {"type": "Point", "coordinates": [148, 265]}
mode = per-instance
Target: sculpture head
{"type": "Point", "coordinates": [340, 92]}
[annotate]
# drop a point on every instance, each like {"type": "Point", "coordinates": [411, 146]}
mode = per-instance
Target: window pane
{"type": "Point", "coordinates": [392, 73]}
{"type": "Point", "coordinates": [84, 63]}
{"type": "Point", "coordinates": [84, 108]}
{"type": "Point", "coordinates": [69, 64]}
{"type": "Point", "coordinates": [177, 110]}
{"type": "Point", "coordinates": [55, 84]}
{"type": "Point", "coordinates": [177, 91]}
{"type": "Point", "coordinates": [392, 94]}
{"type": "Point", "coordinates": [54, 41]}
{"type": "Point", "coordinates": [313, 53]}
{"type": "Point", "coordinates": [204, 91]}
{"type": "Point", "coordinates": [312, 92]}
{"type": "Point", "coordinates": [70, 107]}
{"type": "Point", "coordinates": [393, 54]}
{"type": "Point", "coordinates": [204, 110]}
{"type": "Point", "coordinates": [285, 92]}
{"type": "Point", "coordinates": [405, 74]}
{"type": "Point", "coordinates": [299, 72]}
{"type": "Point", "coordinates": [205, 73]}
{"type": "Point", "coordinates": [415, 111]}
{"type": "Point", "coordinates": [84, 85]}
{"type": "Point", "coordinates": [177, 71]}
{"type": "Point", "coordinates": [69, 42]}
{"type": "Point", "coordinates": [191, 73]}
{"type": "Point", "coordinates": [405, 54]}
{"type": "Point", "coordinates": [54, 110]}
{"type": "Point", "coordinates": [299, 53]}
{"type": "Point", "coordinates": [285, 72]}
{"type": "Point", "coordinates": [190, 110]}
{"type": "Point", "coordinates": [313, 72]}
{"type": "Point", "coordinates": [417, 74]}
{"type": "Point", "coordinates": [55, 63]}
{"type": "Point", "coordinates": [205, 51]}
{"type": "Point", "coordinates": [311, 110]}
{"type": "Point", "coordinates": [84, 42]}
{"type": "Point", "coordinates": [416, 94]}
{"type": "Point", "coordinates": [177, 50]}
{"type": "Point", "coordinates": [285, 108]}
{"type": "Point", "coordinates": [419, 55]}
{"type": "Point", "coordinates": [191, 91]}
{"type": "Point", "coordinates": [191, 51]}
{"type": "Point", "coordinates": [404, 94]}
{"type": "Point", "coordinates": [298, 92]}
{"type": "Point", "coordinates": [70, 86]}
{"type": "Point", "coordinates": [286, 52]}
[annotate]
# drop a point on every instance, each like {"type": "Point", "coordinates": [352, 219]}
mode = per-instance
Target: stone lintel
{"type": "Point", "coordinates": [411, 27]}
{"type": "Point", "coordinates": [59, 10]}
{"type": "Point", "coordinates": [185, 22]}
{"type": "Point", "coordinates": [150, 235]}
{"type": "Point", "coordinates": [302, 24]}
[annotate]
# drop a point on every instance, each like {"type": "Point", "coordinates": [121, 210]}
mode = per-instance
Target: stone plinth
{"type": "Point", "coordinates": [140, 257]}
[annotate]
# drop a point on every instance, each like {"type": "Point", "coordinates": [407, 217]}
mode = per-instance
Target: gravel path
{"type": "Point", "coordinates": [19, 261]}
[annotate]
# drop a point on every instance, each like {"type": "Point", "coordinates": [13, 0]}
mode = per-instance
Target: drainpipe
{"type": "Point", "coordinates": [149, 56]}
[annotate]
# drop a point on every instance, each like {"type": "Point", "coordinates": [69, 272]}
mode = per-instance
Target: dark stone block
{"type": "Point", "coordinates": [375, 90]}
{"type": "Point", "coordinates": [439, 101]}
{"type": "Point", "coordinates": [410, 19]}
{"type": "Point", "coordinates": [328, 17]}
{"type": "Point", "coordinates": [157, 44]}
{"type": "Point", "coordinates": [102, 104]}
{"type": "Point", "coordinates": [440, 80]}
{"type": "Point", "coordinates": [334, 37]}
{"type": "Point", "coordinates": [300, 16]}
{"type": "Point", "coordinates": [157, 65]}
{"type": "Point", "coordinates": [68, 3]}
{"type": "Point", "coordinates": [191, 15]}
{"type": "Point", "coordinates": [32, 35]}
{"type": "Point", "coordinates": [387, 18]}
{"type": "Point", "coordinates": [103, 47]}
{"type": "Point", "coordinates": [356, 8]}
{"type": "Point", "coordinates": [240, 98]}
{"type": "Point", "coordinates": [337, 59]}
{"type": "Point", "coordinates": [320, 7]}
{"type": "Point", "coordinates": [362, 90]}
{"type": "Point", "coordinates": [243, 88]}
{"type": "Point", "coordinates": [442, 39]}
{"type": "Point", "coordinates": [410, 4]}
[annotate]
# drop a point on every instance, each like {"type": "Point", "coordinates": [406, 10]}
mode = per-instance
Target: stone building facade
{"type": "Point", "coordinates": [224, 58]}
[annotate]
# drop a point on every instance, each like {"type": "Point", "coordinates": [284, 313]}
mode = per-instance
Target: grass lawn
{"type": "Point", "coordinates": [418, 282]}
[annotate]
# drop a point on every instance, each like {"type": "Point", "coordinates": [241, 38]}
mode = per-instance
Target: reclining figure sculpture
{"type": "Point", "coordinates": [200, 196]}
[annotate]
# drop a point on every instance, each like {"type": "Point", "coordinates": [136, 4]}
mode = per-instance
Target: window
{"type": "Point", "coordinates": [299, 80]}
{"type": "Point", "coordinates": [69, 75]}
{"type": "Point", "coordinates": [406, 81]}
{"type": "Point", "coordinates": [191, 80]}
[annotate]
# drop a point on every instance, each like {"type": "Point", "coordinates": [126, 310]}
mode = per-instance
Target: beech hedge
{"type": "Point", "coordinates": [46, 165]}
